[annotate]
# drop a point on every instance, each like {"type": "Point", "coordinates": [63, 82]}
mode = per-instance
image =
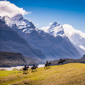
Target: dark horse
{"type": "Point", "coordinates": [61, 61]}
{"type": "Point", "coordinates": [47, 65]}
{"type": "Point", "coordinates": [25, 69]}
{"type": "Point", "coordinates": [33, 68]}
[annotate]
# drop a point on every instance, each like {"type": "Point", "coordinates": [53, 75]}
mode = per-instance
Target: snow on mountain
{"type": "Point", "coordinates": [55, 29]}
{"type": "Point", "coordinates": [52, 41]}
{"type": "Point", "coordinates": [18, 21]}
{"type": "Point", "coordinates": [11, 41]}
{"type": "Point", "coordinates": [75, 36]}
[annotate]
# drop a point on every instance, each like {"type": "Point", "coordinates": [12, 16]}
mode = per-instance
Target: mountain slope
{"type": "Point", "coordinates": [53, 47]}
{"type": "Point", "coordinates": [64, 47]}
{"type": "Point", "coordinates": [11, 41]}
{"type": "Point", "coordinates": [76, 37]}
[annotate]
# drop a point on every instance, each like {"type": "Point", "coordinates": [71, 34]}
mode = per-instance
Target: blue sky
{"type": "Point", "coordinates": [44, 12]}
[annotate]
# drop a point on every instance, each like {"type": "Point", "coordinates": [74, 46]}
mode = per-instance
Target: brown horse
{"type": "Point", "coordinates": [47, 65]}
{"type": "Point", "coordinates": [25, 70]}
{"type": "Point", "coordinates": [61, 62]}
{"type": "Point", "coordinates": [33, 68]}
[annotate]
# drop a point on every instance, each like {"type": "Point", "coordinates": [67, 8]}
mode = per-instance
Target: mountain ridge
{"type": "Point", "coordinates": [52, 46]}
{"type": "Point", "coordinates": [76, 37]}
{"type": "Point", "coordinates": [11, 41]}
{"type": "Point", "coordinates": [54, 29]}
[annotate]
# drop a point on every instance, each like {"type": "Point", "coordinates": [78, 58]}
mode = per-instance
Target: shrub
{"type": "Point", "coordinates": [2, 69]}
{"type": "Point", "coordinates": [20, 69]}
{"type": "Point", "coordinates": [15, 69]}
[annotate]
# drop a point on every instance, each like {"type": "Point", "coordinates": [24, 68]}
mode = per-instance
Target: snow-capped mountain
{"type": "Point", "coordinates": [55, 29]}
{"type": "Point", "coordinates": [53, 44]}
{"type": "Point", "coordinates": [75, 36]}
{"type": "Point", "coordinates": [24, 25]}
{"type": "Point", "coordinates": [11, 41]}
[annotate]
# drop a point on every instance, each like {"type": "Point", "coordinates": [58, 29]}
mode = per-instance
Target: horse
{"type": "Point", "coordinates": [25, 69]}
{"type": "Point", "coordinates": [47, 65]}
{"type": "Point", "coordinates": [61, 61]}
{"type": "Point", "coordinates": [33, 68]}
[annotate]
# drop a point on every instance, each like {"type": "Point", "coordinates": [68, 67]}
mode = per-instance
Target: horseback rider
{"type": "Point", "coordinates": [25, 69]}
{"type": "Point", "coordinates": [60, 59]}
{"type": "Point", "coordinates": [33, 65]}
{"type": "Point", "coordinates": [47, 62]}
{"type": "Point", "coordinates": [25, 66]}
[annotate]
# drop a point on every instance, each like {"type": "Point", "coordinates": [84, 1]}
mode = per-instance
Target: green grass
{"type": "Point", "coordinates": [68, 74]}
{"type": "Point", "coordinates": [8, 73]}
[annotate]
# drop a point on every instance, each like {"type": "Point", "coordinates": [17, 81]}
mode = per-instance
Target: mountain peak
{"type": "Point", "coordinates": [55, 24]}
{"type": "Point", "coordinates": [17, 17]}
{"type": "Point", "coordinates": [55, 29]}
{"type": "Point", "coordinates": [18, 22]}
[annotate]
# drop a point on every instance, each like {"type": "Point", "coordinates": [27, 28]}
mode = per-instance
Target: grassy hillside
{"type": "Point", "coordinates": [68, 74]}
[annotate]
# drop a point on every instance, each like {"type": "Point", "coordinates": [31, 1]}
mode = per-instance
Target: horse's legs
{"type": "Point", "coordinates": [62, 63]}
{"type": "Point", "coordinates": [46, 67]}
{"type": "Point", "coordinates": [35, 69]}
{"type": "Point", "coordinates": [49, 66]}
{"type": "Point", "coordinates": [24, 72]}
{"type": "Point", "coordinates": [32, 70]}
{"type": "Point", "coordinates": [58, 63]}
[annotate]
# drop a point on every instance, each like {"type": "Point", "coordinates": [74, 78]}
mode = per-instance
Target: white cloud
{"type": "Point", "coordinates": [46, 28]}
{"type": "Point", "coordinates": [76, 37]}
{"type": "Point", "coordinates": [10, 9]}
{"type": "Point", "coordinates": [50, 23]}
{"type": "Point", "coordinates": [69, 30]}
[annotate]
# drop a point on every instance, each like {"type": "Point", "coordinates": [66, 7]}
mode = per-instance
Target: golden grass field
{"type": "Point", "coordinates": [67, 74]}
